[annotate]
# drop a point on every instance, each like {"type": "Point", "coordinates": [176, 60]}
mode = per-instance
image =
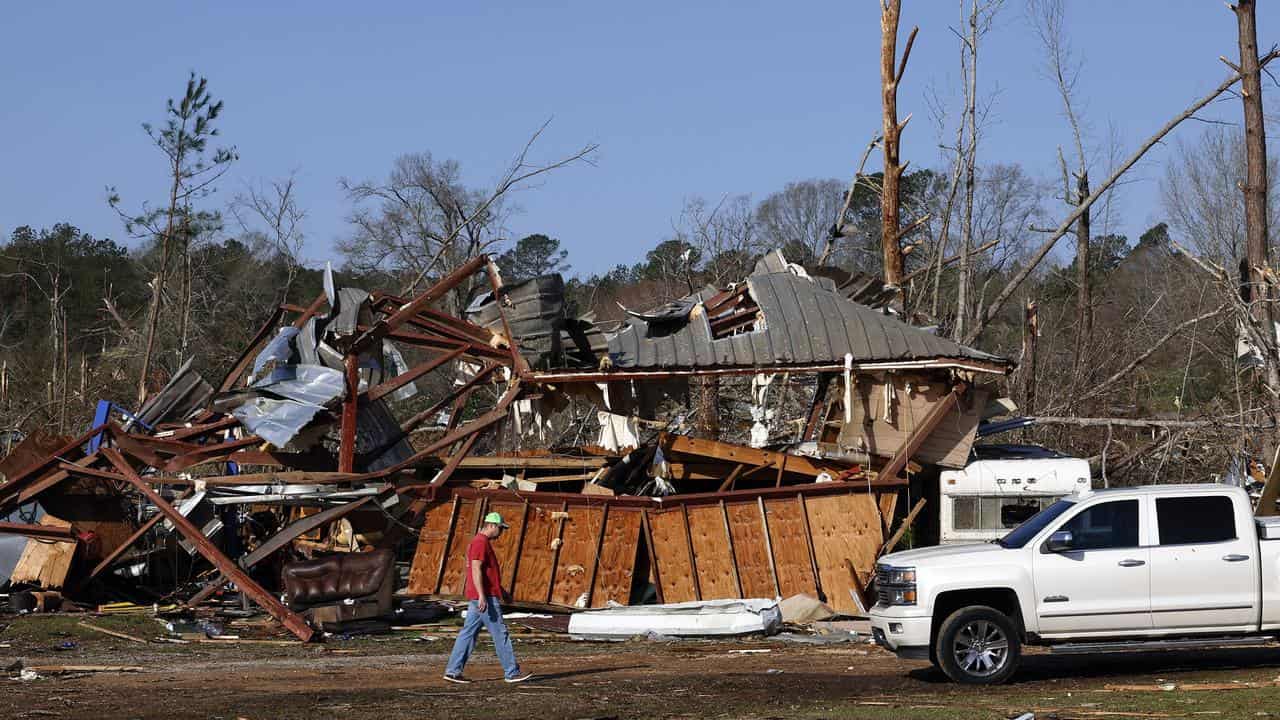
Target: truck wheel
{"type": "Point", "coordinates": [978, 645]}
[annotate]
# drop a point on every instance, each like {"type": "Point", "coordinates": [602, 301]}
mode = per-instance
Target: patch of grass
{"type": "Point", "coordinates": [55, 628]}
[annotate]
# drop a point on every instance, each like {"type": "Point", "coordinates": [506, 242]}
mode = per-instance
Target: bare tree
{"type": "Point", "coordinates": [1064, 70]}
{"type": "Point", "coordinates": [726, 236]}
{"type": "Point", "coordinates": [271, 209]}
{"type": "Point", "coordinates": [425, 221]}
{"type": "Point", "coordinates": [798, 218]}
{"type": "Point", "coordinates": [978, 19]}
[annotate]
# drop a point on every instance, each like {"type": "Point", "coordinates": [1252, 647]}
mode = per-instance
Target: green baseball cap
{"type": "Point", "coordinates": [496, 519]}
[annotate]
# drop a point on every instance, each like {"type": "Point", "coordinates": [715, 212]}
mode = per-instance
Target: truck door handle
{"type": "Point", "coordinates": [1235, 558]}
{"type": "Point", "coordinates": [1132, 563]}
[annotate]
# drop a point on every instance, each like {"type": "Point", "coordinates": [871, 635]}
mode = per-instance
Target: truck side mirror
{"type": "Point", "coordinates": [1060, 541]}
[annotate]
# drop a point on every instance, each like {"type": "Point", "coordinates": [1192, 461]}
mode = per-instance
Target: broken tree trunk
{"type": "Point", "coordinates": [890, 234]}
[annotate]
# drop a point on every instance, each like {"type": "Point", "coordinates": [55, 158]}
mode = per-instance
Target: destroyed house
{"type": "Point", "coordinates": [363, 420]}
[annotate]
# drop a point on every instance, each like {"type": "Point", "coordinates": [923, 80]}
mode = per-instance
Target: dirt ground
{"type": "Point", "coordinates": [398, 676]}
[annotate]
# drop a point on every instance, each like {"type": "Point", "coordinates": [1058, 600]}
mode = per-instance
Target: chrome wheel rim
{"type": "Point", "coordinates": [981, 648]}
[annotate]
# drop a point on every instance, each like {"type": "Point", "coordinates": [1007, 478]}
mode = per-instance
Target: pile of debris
{"type": "Point", "coordinates": [365, 420]}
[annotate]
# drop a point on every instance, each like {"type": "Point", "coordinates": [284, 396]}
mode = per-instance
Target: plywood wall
{"type": "Point", "coordinates": [573, 555]}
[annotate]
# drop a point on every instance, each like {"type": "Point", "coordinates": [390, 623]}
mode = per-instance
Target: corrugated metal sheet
{"type": "Point", "coordinates": [806, 321]}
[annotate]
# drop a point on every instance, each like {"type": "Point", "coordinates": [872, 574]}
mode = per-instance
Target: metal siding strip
{"type": "Point", "coordinates": [802, 329]}
{"type": "Point", "coordinates": [700, 334]}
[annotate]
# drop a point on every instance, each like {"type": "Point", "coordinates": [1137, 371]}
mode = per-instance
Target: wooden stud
{"type": "Point", "coordinates": [808, 539]}
{"type": "Point", "coordinates": [595, 565]}
{"type": "Point", "coordinates": [350, 407]}
{"type": "Point", "coordinates": [555, 553]}
{"type": "Point", "coordinates": [768, 546]}
{"type": "Point", "coordinates": [782, 466]}
{"type": "Point", "coordinates": [733, 477]}
{"type": "Point", "coordinates": [733, 556]}
{"type": "Point", "coordinates": [519, 547]}
{"type": "Point", "coordinates": [693, 562]}
{"type": "Point", "coordinates": [653, 555]}
{"type": "Point", "coordinates": [448, 537]}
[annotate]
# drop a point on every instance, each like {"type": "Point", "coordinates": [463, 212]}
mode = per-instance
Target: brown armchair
{"type": "Point", "coordinates": [341, 588]}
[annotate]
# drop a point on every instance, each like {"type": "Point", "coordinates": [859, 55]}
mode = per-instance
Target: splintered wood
{"type": "Point", "coordinates": [585, 551]}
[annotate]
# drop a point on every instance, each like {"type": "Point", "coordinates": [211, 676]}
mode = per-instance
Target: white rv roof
{"type": "Point", "coordinates": [1038, 476]}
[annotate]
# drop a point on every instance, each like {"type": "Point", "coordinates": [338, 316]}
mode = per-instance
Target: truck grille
{"type": "Point", "coordinates": [882, 580]}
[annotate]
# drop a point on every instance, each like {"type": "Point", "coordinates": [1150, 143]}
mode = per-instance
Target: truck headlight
{"type": "Point", "coordinates": [895, 585]}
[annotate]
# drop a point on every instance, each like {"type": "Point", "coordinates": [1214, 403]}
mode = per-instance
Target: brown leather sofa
{"type": "Point", "coordinates": [341, 588]}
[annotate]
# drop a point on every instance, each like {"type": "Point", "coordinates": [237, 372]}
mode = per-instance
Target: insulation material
{"type": "Point", "coordinates": [687, 619]}
{"type": "Point", "coordinates": [617, 432]}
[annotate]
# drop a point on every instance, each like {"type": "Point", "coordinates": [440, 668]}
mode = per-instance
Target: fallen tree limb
{"type": "Point", "coordinates": [1144, 422]}
{"type": "Point", "coordinates": [1016, 281]}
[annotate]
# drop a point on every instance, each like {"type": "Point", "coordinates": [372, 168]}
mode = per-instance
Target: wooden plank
{"type": "Point", "coordinates": [733, 476]}
{"type": "Point", "coordinates": [845, 528]}
{"type": "Point", "coordinates": [712, 558]}
{"type": "Point", "coordinates": [431, 553]}
{"type": "Point", "coordinates": [45, 563]}
{"type": "Point", "coordinates": [452, 581]}
{"type": "Point", "coordinates": [291, 620]}
{"type": "Point", "coordinates": [537, 557]}
{"type": "Point", "coordinates": [670, 547]}
{"type": "Point", "coordinates": [750, 550]}
{"type": "Point", "coordinates": [684, 445]}
{"type": "Point", "coordinates": [618, 553]}
{"type": "Point", "coordinates": [577, 555]}
{"type": "Point", "coordinates": [788, 539]}
{"type": "Point", "coordinates": [902, 527]}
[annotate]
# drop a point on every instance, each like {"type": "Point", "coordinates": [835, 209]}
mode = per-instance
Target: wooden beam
{"type": "Point", "coordinates": [923, 430]}
{"type": "Point", "coordinates": [799, 464]}
{"type": "Point", "coordinates": [291, 620]}
{"type": "Point", "coordinates": [39, 532]}
{"type": "Point", "coordinates": [733, 476]}
{"type": "Point", "coordinates": [902, 527]}
{"type": "Point", "coordinates": [808, 541]}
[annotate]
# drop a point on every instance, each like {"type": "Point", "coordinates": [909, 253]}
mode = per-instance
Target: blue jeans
{"type": "Point", "coordinates": [491, 620]}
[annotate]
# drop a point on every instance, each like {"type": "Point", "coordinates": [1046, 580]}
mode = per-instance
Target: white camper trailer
{"type": "Point", "coordinates": [1002, 486]}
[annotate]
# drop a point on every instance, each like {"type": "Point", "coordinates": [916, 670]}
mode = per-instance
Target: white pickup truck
{"type": "Point", "coordinates": [1128, 568]}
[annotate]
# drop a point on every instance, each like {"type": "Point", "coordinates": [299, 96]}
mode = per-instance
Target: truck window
{"type": "Point", "coordinates": [1196, 519]}
{"type": "Point", "coordinates": [1104, 526]}
{"type": "Point", "coordinates": [1021, 535]}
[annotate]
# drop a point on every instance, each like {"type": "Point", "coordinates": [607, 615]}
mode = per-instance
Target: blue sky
{"type": "Point", "coordinates": [684, 98]}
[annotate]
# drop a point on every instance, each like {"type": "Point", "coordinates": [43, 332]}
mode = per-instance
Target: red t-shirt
{"type": "Point", "coordinates": [481, 549]}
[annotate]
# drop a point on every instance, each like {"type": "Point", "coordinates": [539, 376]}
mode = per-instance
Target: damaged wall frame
{"type": "Point", "coordinates": [577, 551]}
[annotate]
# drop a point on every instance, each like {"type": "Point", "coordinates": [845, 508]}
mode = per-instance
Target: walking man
{"type": "Point", "coordinates": [484, 592]}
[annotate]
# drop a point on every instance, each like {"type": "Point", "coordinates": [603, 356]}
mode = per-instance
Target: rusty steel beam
{"type": "Point", "coordinates": [291, 620]}
{"type": "Point", "coordinates": [350, 411]}
{"type": "Point", "coordinates": [408, 376]}
{"type": "Point", "coordinates": [380, 329]}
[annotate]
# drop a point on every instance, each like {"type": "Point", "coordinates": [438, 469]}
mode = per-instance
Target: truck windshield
{"type": "Point", "coordinates": [1022, 534]}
